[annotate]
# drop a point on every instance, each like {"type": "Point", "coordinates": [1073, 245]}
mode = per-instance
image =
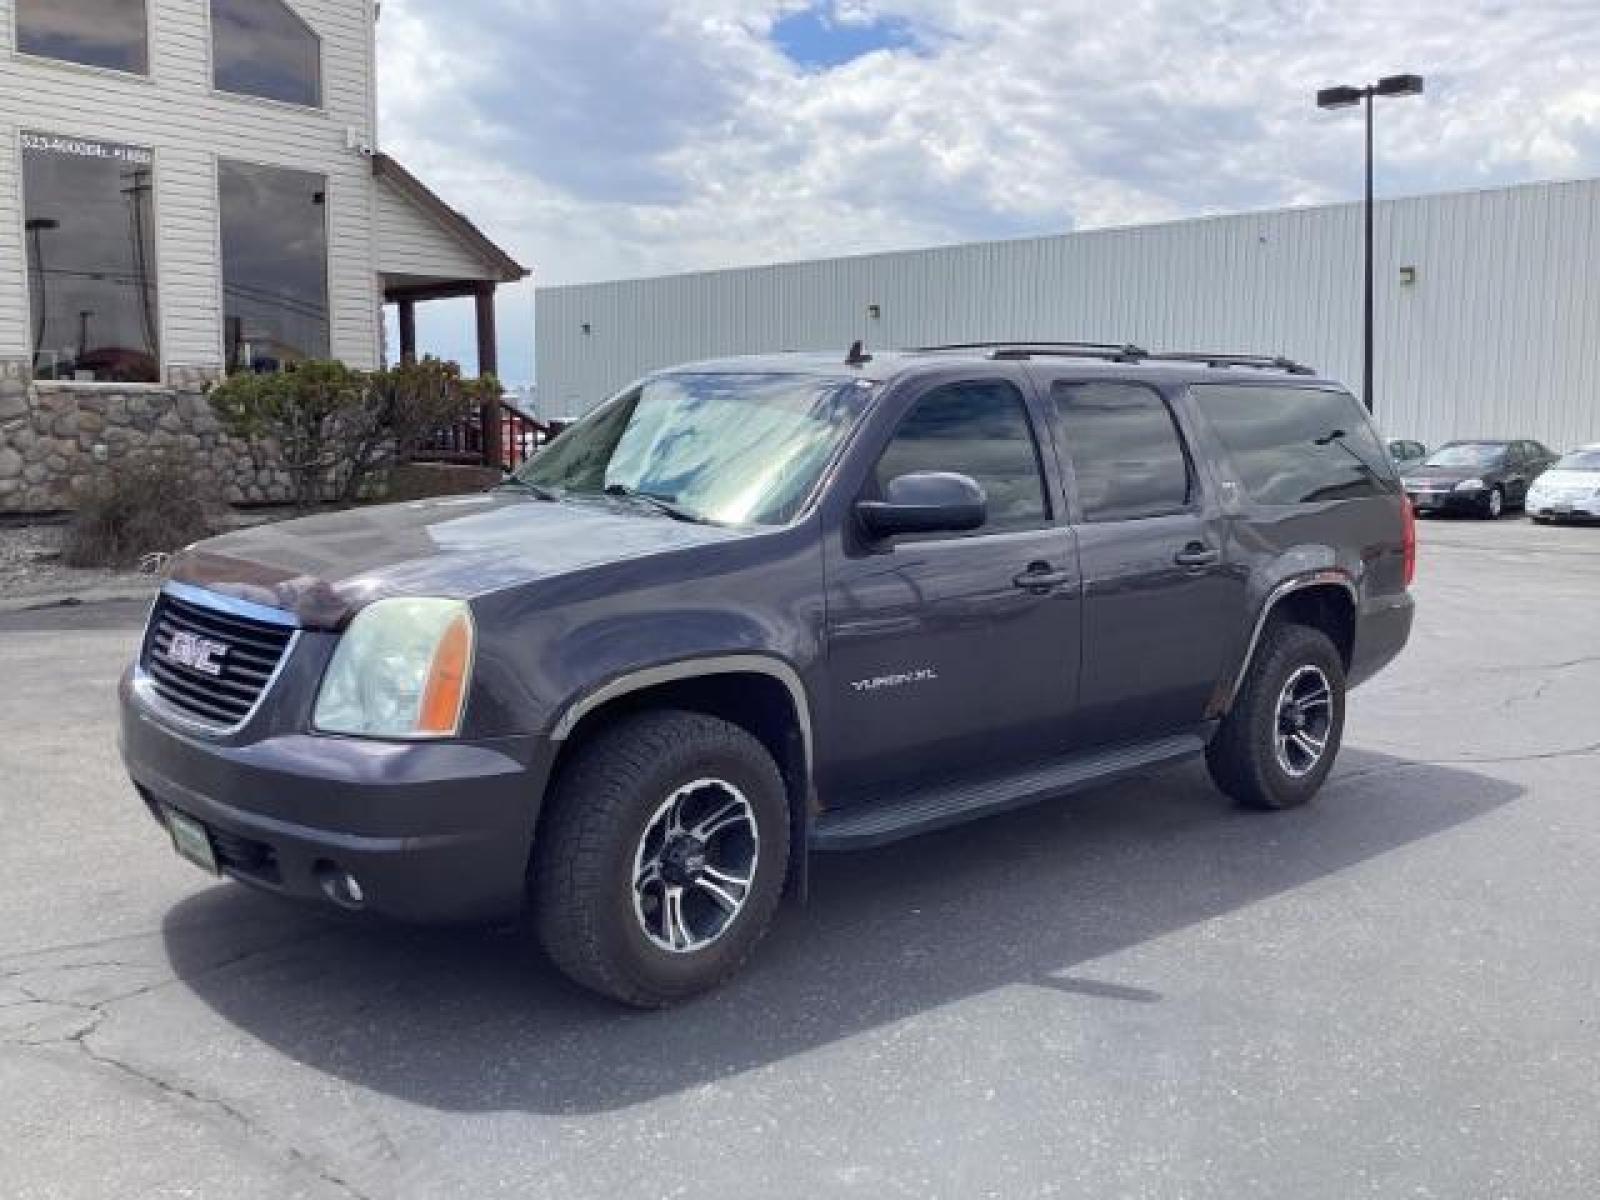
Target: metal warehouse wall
{"type": "Point", "coordinates": [1498, 335]}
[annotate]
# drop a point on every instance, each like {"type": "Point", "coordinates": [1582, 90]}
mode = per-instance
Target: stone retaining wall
{"type": "Point", "coordinates": [55, 438]}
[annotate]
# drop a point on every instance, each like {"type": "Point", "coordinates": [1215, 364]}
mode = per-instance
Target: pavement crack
{"type": "Point", "coordinates": [180, 1094]}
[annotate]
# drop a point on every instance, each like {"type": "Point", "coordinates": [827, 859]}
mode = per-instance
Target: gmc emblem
{"type": "Point", "coordinates": [197, 653]}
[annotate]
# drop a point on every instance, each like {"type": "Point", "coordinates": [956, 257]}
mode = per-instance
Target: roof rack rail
{"type": "Point", "coordinates": [1114, 351]}
{"type": "Point", "coordinates": [1261, 362]}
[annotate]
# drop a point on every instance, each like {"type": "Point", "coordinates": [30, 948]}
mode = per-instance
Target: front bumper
{"type": "Point", "coordinates": [1563, 508]}
{"type": "Point", "coordinates": [1449, 502]}
{"type": "Point", "coordinates": [433, 831]}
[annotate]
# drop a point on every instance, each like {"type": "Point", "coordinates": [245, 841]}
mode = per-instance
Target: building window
{"type": "Point", "coordinates": [263, 48]}
{"type": "Point", "coordinates": [88, 213]}
{"type": "Point", "coordinates": [114, 34]}
{"type": "Point", "coordinates": [274, 266]}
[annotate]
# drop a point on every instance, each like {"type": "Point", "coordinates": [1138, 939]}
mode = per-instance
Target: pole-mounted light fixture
{"type": "Point", "coordinates": [1347, 96]}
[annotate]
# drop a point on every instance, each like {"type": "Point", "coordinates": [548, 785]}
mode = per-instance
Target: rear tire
{"type": "Point", "coordinates": [1279, 742]}
{"type": "Point", "coordinates": [661, 859]}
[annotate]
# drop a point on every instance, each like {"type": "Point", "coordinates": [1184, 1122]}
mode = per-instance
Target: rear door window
{"type": "Point", "coordinates": [1128, 461]}
{"type": "Point", "coordinates": [1296, 445]}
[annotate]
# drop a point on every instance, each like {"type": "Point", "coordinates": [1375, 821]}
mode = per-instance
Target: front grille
{"type": "Point", "coordinates": [222, 663]}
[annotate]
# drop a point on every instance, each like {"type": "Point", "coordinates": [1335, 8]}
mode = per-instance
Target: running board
{"type": "Point", "coordinates": [875, 822]}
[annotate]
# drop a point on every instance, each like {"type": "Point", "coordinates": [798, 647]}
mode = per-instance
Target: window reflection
{"type": "Point", "coordinates": [1127, 461]}
{"type": "Point", "coordinates": [980, 430]}
{"type": "Point", "coordinates": [739, 449]}
{"type": "Point", "coordinates": [97, 33]}
{"type": "Point", "coordinates": [1297, 445]}
{"type": "Point", "coordinates": [90, 229]}
{"type": "Point", "coordinates": [274, 266]}
{"type": "Point", "coordinates": [262, 48]}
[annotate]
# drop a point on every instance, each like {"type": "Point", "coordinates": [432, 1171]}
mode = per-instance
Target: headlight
{"type": "Point", "coordinates": [1470, 485]}
{"type": "Point", "coordinates": [401, 670]}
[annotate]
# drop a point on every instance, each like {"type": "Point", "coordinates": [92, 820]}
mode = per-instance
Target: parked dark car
{"type": "Point", "coordinates": [1407, 453]}
{"type": "Point", "coordinates": [1479, 478]}
{"type": "Point", "coordinates": [756, 608]}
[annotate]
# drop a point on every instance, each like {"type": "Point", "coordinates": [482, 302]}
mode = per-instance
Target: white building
{"type": "Point", "coordinates": [188, 186]}
{"type": "Point", "coordinates": [1487, 305]}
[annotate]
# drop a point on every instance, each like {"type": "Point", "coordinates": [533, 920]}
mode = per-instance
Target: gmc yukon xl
{"type": "Point", "coordinates": [752, 609]}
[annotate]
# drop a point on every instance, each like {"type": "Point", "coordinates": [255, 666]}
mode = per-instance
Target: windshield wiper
{"type": "Point", "coordinates": [538, 491]}
{"type": "Point", "coordinates": [1337, 438]}
{"type": "Point", "coordinates": [662, 504]}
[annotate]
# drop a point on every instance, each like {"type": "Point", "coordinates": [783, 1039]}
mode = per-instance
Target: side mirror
{"type": "Point", "coordinates": [925, 502]}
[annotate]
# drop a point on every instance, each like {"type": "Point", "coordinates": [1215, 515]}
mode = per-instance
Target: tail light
{"type": "Point", "coordinates": [1409, 540]}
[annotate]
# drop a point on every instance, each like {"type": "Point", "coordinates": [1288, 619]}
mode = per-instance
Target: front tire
{"type": "Point", "coordinates": [661, 859]}
{"type": "Point", "coordinates": [1279, 742]}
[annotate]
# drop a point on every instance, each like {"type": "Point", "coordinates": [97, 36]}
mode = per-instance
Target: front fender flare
{"type": "Point", "coordinates": [695, 668]}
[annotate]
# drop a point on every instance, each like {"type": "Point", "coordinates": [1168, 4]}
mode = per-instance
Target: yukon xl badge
{"type": "Point", "coordinates": [899, 679]}
{"type": "Point", "coordinates": [197, 653]}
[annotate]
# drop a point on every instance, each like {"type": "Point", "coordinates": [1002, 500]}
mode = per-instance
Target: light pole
{"type": "Point", "coordinates": [37, 227]}
{"type": "Point", "coordinates": [1345, 96]}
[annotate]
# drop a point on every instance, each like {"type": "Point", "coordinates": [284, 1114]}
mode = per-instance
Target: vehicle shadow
{"type": "Point", "coordinates": [475, 1020]}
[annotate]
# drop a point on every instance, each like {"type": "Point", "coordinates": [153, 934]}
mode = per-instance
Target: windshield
{"type": "Point", "coordinates": [1580, 460]}
{"type": "Point", "coordinates": [731, 449]}
{"type": "Point", "coordinates": [1468, 454]}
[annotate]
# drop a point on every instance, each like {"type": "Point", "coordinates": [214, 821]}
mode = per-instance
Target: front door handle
{"type": "Point", "coordinates": [1196, 554]}
{"type": "Point", "coordinates": [1041, 577]}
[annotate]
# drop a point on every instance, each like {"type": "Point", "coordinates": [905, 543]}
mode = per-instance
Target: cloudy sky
{"type": "Point", "coordinates": [647, 136]}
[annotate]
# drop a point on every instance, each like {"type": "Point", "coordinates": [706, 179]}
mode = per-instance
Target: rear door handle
{"type": "Point", "coordinates": [1196, 554]}
{"type": "Point", "coordinates": [1041, 577]}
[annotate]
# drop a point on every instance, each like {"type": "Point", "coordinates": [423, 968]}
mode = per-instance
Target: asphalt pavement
{"type": "Point", "coordinates": [1139, 992]}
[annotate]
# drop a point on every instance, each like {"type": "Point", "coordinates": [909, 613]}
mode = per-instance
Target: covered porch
{"type": "Point", "coordinates": [428, 251]}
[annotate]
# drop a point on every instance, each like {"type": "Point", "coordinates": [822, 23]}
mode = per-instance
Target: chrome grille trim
{"type": "Point", "coordinates": [260, 642]}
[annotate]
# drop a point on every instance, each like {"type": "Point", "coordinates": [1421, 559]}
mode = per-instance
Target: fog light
{"type": "Point", "coordinates": [338, 885]}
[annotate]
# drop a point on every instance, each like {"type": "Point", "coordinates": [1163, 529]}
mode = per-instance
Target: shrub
{"type": "Point", "coordinates": [136, 508]}
{"type": "Point", "coordinates": [321, 415]}
{"type": "Point", "coordinates": [336, 428]}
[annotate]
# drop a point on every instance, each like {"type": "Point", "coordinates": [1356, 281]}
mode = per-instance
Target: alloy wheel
{"type": "Point", "coordinates": [695, 866]}
{"type": "Point", "coordinates": [1303, 721]}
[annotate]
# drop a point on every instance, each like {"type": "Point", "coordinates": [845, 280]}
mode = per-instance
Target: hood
{"type": "Point", "coordinates": [1570, 480]}
{"type": "Point", "coordinates": [1452, 474]}
{"type": "Point", "coordinates": [323, 568]}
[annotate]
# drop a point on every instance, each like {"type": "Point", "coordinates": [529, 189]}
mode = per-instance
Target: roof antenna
{"type": "Point", "coordinates": [858, 356]}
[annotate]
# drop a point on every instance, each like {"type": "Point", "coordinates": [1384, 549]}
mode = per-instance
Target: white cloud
{"type": "Point", "coordinates": [642, 137]}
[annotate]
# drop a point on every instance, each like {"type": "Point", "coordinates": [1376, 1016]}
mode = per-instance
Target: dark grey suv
{"type": "Point", "coordinates": [756, 608]}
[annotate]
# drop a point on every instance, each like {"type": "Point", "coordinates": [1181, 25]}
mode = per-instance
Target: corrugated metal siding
{"type": "Point", "coordinates": [411, 243]}
{"type": "Point", "coordinates": [1498, 335]}
{"type": "Point", "coordinates": [176, 114]}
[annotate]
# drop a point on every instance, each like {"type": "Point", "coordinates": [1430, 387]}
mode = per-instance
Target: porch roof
{"type": "Point", "coordinates": [426, 249]}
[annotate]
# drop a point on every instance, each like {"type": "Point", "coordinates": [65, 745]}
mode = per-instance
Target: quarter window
{"type": "Point", "coordinates": [1127, 460]}
{"type": "Point", "coordinates": [1297, 445]}
{"type": "Point", "coordinates": [274, 266]}
{"type": "Point", "coordinates": [114, 34]}
{"type": "Point", "coordinates": [980, 430]}
{"type": "Point", "coordinates": [263, 48]}
{"type": "Point", "coordinates": [88, 216]}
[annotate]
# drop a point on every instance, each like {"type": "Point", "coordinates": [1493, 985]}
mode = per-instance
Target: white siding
{"type": "Point", "coordinates": [189, 126]}
{"type": "Point", "coordinates": [1497, 336]}
{"type": "Point", "coordinates": [412, 243]}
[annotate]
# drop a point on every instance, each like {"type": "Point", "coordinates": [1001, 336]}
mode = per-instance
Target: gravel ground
{"type": "Point", "coordinates": [31, 567]}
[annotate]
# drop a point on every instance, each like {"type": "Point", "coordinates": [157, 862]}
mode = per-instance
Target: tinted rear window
{"type": "Point", "coordinates": [1297, 445]}
{"type": "Point", "coordinates": [1127, 460]}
